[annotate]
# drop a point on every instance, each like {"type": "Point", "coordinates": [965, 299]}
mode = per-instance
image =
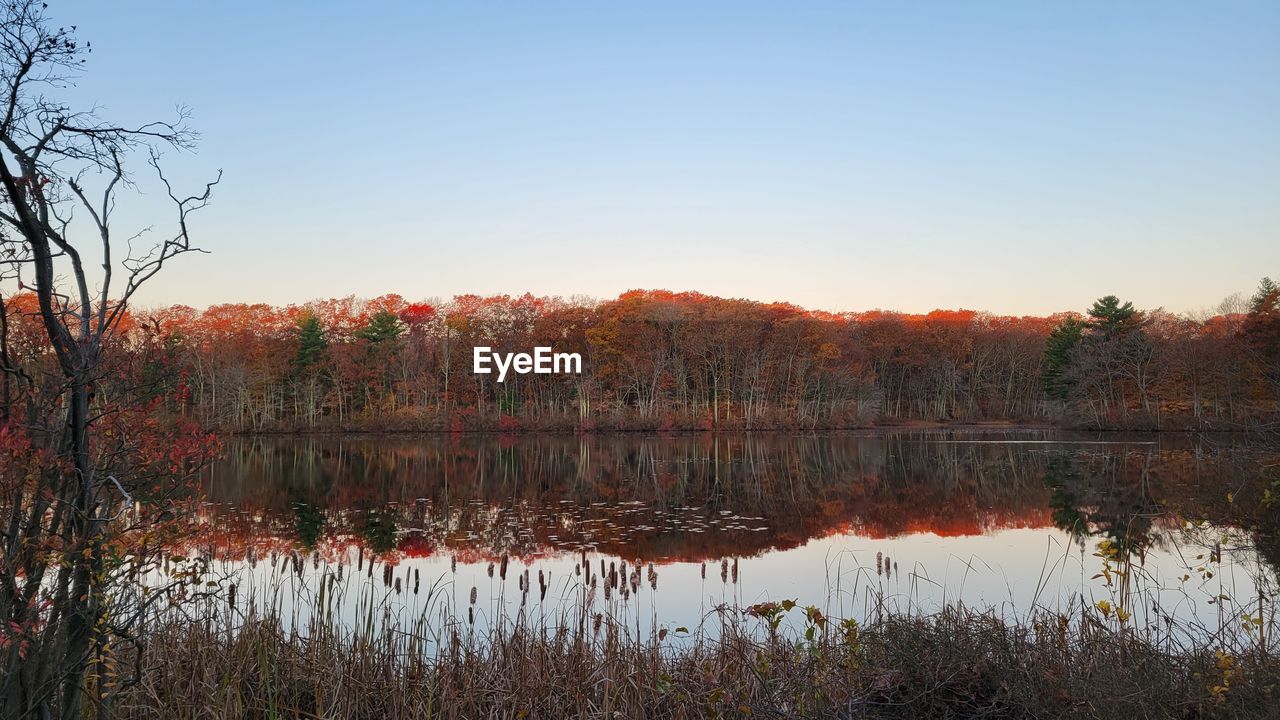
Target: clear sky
{"type": "Point", "coordinates": [1018, 157]}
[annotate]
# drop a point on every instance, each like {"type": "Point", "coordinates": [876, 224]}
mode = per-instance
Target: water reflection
{"type": "Point", "coordinates": [702, 498]}
{"type": "Point", "coordinates": [1160, 528]}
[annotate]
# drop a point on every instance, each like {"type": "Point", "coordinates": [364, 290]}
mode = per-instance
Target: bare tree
{"type": "Point", "coordinates": [62, 172]}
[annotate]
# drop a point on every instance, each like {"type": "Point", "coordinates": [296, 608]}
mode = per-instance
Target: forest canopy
{"type": "Point", "coordinates": [661, 360]}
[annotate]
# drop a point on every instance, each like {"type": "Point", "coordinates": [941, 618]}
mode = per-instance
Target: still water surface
{"type": "Point", "coordinates": [669, 527]}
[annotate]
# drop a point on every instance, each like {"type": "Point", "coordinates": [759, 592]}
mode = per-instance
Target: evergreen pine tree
{"type": "Point", "coordinates": [311, 342]}
{"type": "Point", "coordinates": [1265, 295]}
{"type": "Point", "coordinates": [381, 329]}
{"type": "Point", "coordinates": [1109, 316]}
{"type": "Point", "coordinates": [1059, 349]}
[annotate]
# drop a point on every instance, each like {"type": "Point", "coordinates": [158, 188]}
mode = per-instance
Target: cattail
{"type": "Point", "coordinates": [231, 595]}
{"type": "Point", "coordinates": [595, 625]}
{"type": "Point", "coordinates": [735, 571]}
{"type": "Point", "coordinates": [386, 575]}
{"type": "Point", "coordinates": [491, 569]}
{"type": "Point", "coordinates": [653, 578]}
{"type": "Point", "coordinates": [887, 565]}
{"type": "Point", "coordinates": [397, 586]}
{"type": "Point", "coordinates": [453, 563]}
{"type": "Point", "coordinates": [473, 594]}
{"type": "Point", "coordinates": [577, 570]}
{"type": "Point", "coordinates": [471, 616]}
{"type": "Point", "coordinates": [360, 559]}
{"type": "Point", "coordinates": [502, 570]}
{"type": "Point", "coordinates": [879, 563]}
{"type": "Point", "coordinates": [704, 571]}
{"type": "Point", "coordinates": [724, 571]}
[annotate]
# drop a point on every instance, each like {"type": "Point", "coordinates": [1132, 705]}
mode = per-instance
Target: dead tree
{"type": "Point", "coordinates": [62, 172]}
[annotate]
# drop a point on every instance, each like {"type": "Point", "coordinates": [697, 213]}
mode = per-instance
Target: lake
{"type": "Point", "coordinates": [659, 530]}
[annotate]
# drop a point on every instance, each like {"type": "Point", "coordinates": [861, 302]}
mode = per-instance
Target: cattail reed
{"type": "Point", "coordinates": [491, 569]}
{"type": "Point", "coordinates": [724, 570]}
{"type": "Point", "coordinates": [502, 570]}
{"type": "Point", "coordinates": [453, 563]}
{"type": "Point", "coordinates": [653, 578]}
{"type": "Point", "coordinates": [473, 595]}
{"type": "Point", "coordinates": [735, 571]}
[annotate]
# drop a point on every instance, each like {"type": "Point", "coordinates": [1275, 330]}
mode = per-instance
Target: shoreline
{"type": "Point", "coordinates": [847, 431]}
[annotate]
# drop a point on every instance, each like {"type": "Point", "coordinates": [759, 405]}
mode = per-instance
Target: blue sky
{"type": "Point", "coordinates": [1005, 156]}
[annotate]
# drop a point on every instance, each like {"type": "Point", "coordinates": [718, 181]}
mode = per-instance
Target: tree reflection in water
{"type": "Point", "coordinates": [705, 497]}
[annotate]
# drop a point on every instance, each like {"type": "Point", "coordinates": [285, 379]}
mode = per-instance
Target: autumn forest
{"type": "Point", "coordinates": [658, 360]}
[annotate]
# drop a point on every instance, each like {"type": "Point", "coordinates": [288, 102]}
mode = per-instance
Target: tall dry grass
{"type": "Point", "coordinates": [774, 660]}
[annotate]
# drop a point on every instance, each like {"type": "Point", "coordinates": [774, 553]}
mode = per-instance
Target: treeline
{"type": "Point", "coordinates": [658, 360]}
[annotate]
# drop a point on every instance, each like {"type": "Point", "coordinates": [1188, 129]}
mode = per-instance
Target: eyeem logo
{"type": "Point", "coordinates": [541, 362]}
